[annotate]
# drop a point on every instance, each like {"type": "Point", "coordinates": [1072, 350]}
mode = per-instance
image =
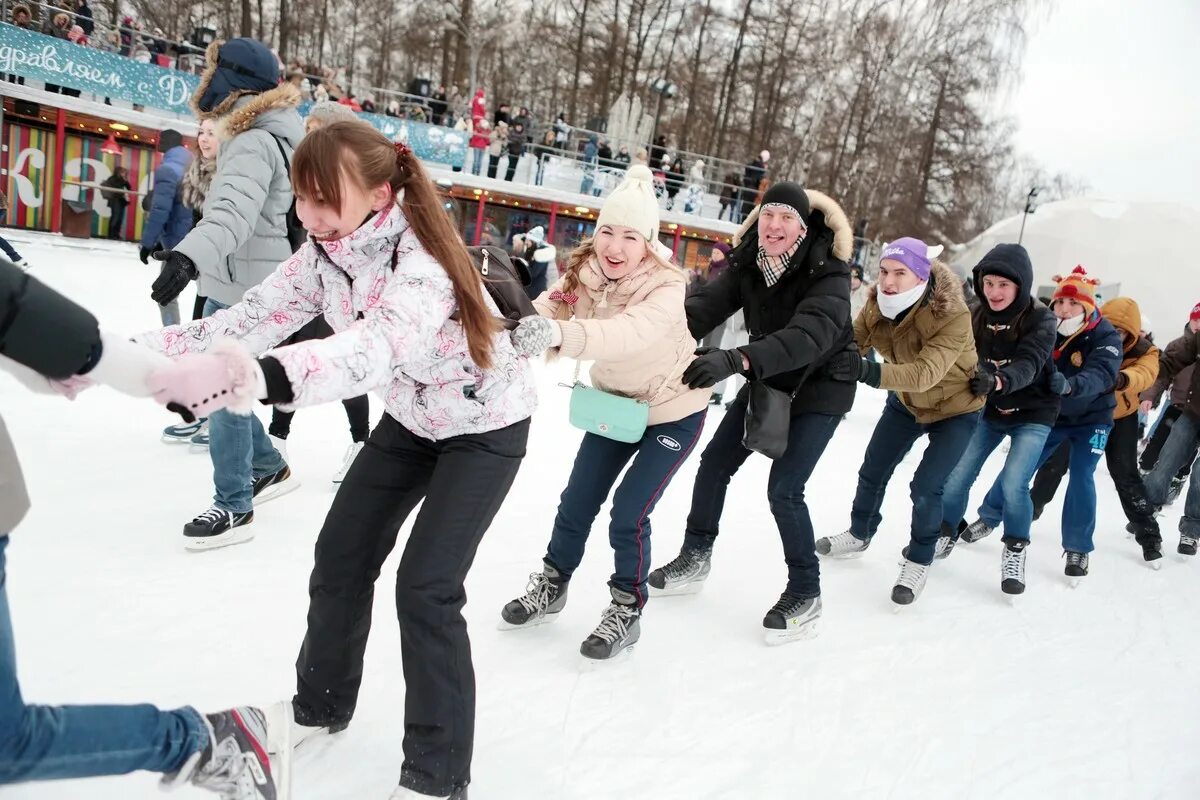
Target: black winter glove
{"type": "Point", "coordinates": [984, 382]}
{"type": "Point", "coordinates": [712, 367]}
{"type": "Point", "coordinates": [1059, 384]}
{"type": "Point", "coordinates": [845, 367]}
{"type": "Point", "coordinates": [1122, 380]}
{"type": "Point", "coordinates": [177, 270]}
{"type": "Point", "coordinates": [144, 254]}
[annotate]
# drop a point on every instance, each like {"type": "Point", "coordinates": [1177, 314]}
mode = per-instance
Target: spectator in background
{"type": "Point", "coordinates": [755, 172]}
{"type": "Point", "coordinates": [561, 131]}
{"type": "Point", "coordinates": [479, 106]}
{"type": "Point", "coordinates": [695, 189]}
{"type": "Point", "coordinates": [116, 185]}
{"type": "Point", "coordinates": [658, 152]}
{"type": "Point", "coordinates": [540, 255]}
{"type": "Point", "coordinates": [543, 152]}
{"type": "Point", "coordinates": [525, 118]}
{"type": "Point", "coordinates": [622, 160]}
{"type": "Point", "coordinates": [83, 18]}
{"type": "Point", "coordinates": [7, 248]}
{"type": "Point", "coordinates": [77, 36]}
{"type": "Point", "coordinates": [501, 115]}
{"type": "Point", "coordinates": [674, 181]}
{"type": "Point", "coordinates": [729, 193]}
{"type": "Point", "coordinates": [605, 154]}
{"type": "Point", "coordinates": [859, 289]}
{"type": "Point", "coordinates": [437, 105]}
{"type": "Point", "coordinates": [591, 152]}
{"type": "Point", "coordinates": [21, 16]}
{"type": "Point", "coordinates": [169, 220]}
{"type": "Point", "coordinates": [479, 143]}
{"type": "Point", "coordinates": [516, 149]}
{"type": "Point", "coordinates": [497, 147]}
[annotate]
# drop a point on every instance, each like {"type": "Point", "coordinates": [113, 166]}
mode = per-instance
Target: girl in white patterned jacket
{"type": "Point", "coordinates": [411, 320]}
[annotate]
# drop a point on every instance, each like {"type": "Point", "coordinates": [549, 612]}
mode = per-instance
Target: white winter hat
{"type": "Point", "coordinates": [633, 204]}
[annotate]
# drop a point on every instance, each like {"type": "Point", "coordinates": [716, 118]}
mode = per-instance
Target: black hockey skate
{"type": "Point", "coordinates": [619, 629]}
{"type": "Point", "coordinates": [217, 527]}
{"type": "Point", "coordinates": [685, 574]}
{"type": "Point", "coordinates": [544, 598]}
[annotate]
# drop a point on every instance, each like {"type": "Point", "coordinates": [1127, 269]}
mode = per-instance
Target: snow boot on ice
{"type": "Point", "coordinates": [685, 574]}
{"type": "Point", "coordinates": [619, 629]}
{"type": "Point", "coordinates": [975, 531]}
{"type": "Point", "coordinates": [277, 484]}
{"type": "Point", "coordinates": [1012, 566]}
{"type": "Point", "coordinates": [544, 598]}
{"type": "Point", "coordinates": [1187, 545]}
{"type": "Point", "coordinates": [217, 527]}
{"type": "Point", "coordinates": [844, 545]}
{"type": "Point", "coordinates": [910, 583]}
{"type": "Point", "coordinates": [183, 432]}
{"type": "Point", "coordinates": [792, 618]}
{"type": "Point", "coordinates": [1077, 566]}
{"type": "Point", "coordinates": [234, 763]}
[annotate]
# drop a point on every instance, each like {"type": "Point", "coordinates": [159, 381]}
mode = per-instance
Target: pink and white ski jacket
{"type": "Point", "coordinates": [389, 303]}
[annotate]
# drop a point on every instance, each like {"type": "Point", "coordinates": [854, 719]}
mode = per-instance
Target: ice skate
{"type": "Point", "coordinates": [351, 453]}
{"type": "Point", "coordinates": [285, 729]}
{"type": "Point", "coordinates": [976, 530]}
{"type": "Point", "coordinates": [1187, 545]}
{"type": "Point", "coordinates": [183, 432]}
{"type": "Point", "coordinates": [1012, 566]}
{"type": "Point", "coordinates": [277, 484]}
{"type": "Point", "coordinates": [544, 598]}
{"type": "Point", "coordinates": [843, 545]}
{"type": "Point", "coordinates": [217, 527]}
{"type": "Point", "coordinates": [234, 764]}
{"type": "Point", "coordinates": [684, 575]}
{"type": "Point", "coordinates": [1152, 554]}
{"type": "Point", "coordinates": [910, 583]}
{"type": "Point", "coordinates": [199, 442]}
{"type": "Point", "coordinates": [1077, 567]}
{"type": "Point", "coordinates": [619, 629]}
{"type": "Point", "coordinates": [404, 793]}
{"type": "Point", "coordinates": [792, 619]}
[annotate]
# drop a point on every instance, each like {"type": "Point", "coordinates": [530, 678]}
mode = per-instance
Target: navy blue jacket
{"type": "Point", "coordinates": [1089, 361]}
{"type": "Point", "coordinates": [169, 220]}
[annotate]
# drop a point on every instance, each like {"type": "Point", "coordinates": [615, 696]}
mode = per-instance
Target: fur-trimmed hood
{"type": "Point", "coordinates": [274, 111]}
{"type": "Point", "coordinates": [944, 296]}
{"type": "Point", "coordinates": [833, 216]}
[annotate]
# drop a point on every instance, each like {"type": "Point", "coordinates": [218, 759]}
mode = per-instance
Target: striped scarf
{"type": "Point", "coordinates": [773, 267]}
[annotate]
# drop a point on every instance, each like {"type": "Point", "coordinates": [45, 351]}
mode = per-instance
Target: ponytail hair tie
{"type": "Point", "coordinates": [403, 151]}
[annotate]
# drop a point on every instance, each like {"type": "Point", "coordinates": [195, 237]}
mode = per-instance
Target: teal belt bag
{"type": "Point", "coordinates": [622, 419]}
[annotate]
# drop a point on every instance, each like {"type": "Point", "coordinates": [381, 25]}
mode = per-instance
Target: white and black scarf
{"type": "Point", "coordinates": [773, 267]}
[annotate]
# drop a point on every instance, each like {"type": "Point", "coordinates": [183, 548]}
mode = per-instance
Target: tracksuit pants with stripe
{"type": "Point", "coordinates": [656, 459]}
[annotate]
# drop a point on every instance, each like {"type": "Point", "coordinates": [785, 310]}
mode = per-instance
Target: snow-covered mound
{"type": "Point", "coordinates": [1143, 250]}
{"type": "Point", "coordinates": [1087, 693]}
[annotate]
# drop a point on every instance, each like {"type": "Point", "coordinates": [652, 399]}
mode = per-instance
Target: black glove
{"type": "Point", "coordinates": [712, 367]}
{"type": "Point", "coordinates": [1122, 380]}
{"type": "Point", "coordinates": [703, 351]}
{"type": "Point", "coordinates": [177, 270]}
{"type": "Point", "coordinates": [1059, 384]}
{"type": "Point", "coordinates": [984, 382]}
{"type": "Point", "coordinates": [845, 366]}
{"type": "Point", "coordinates": [144, 254]}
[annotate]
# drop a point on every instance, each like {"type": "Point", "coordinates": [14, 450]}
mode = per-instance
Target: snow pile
{"type": "Point", "coordinates": [1085, 693]}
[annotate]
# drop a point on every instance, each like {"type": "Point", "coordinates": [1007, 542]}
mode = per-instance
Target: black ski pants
{"type": "Point", "coordinates": [463, 480]}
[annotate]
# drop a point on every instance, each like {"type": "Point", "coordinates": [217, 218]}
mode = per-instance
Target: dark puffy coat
{"type": "Point", "coordinates": [1017, 344]}
{"type": "Point", "coordinates": [1177, 365]}
{"type": "Point", "coordinates": [169, 220]}
{"type": "Point", "coordinates": [1090, 360]}
{"type": "Point", "coordinates": [796, 325]}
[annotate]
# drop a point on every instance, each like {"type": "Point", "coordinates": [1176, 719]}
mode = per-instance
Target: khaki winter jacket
{"type": "Point", "coordinates": [930, 354]}
{"type": "Point", "coordinates": [635, 330]}
{"type": "Point", "coordinates": [1140, 363]}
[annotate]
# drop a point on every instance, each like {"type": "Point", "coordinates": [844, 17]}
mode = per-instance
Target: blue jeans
{"type": "Point", "coordinates": [1180, 446]}
{"type": "Point", "coordinates": [895, 434]}
{"type": "Point", "coordinates": [1028, 441]}
{"type": "Point", "coordinates": [54, 742]}
{"type": "Point", "coordinates": [477, 160]}
{"type": "Point", "coordinates": [808, 436]}
{"type": "Point", "coordinates": [12, 254]}
{"type": "Point", "coordinates": [1079, 508]}
{"type": "Point", "coordinates": [240, 451]}
{"type": "Point", "coordinates": [656, 459]}
{"type": "Point", "coordinates": [1189, 523]}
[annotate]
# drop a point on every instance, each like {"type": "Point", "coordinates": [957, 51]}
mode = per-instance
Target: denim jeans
{"type": "Point", "coordinates": [895, 434]}
{"type": "Point", "coordinates": [54, 742]}
{"type": "Point", "coordinates": [600, 461]}
{"type": "Point", "coordinates": [170, 313]}
{"type": "Point", "coordinates": [1028, 441]}
{"type": "Point", "coordinates": [240, 451]}
{"type": "Point", "coordinates": [477, 155]}
{"type": "Point", "coordinates": [1189, 523]}
{"type": "Point", "coordinates": [808, 436]}
{"type": "Point", "coordinates": [1079, 508]}
{"type": "Point", "coordinates": [1180, 447]}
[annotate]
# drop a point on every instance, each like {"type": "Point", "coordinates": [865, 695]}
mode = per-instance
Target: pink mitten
{"type": "Point", "coordinates": [197, 385]}
{"type": "Point", "coordinates": [72, 386]}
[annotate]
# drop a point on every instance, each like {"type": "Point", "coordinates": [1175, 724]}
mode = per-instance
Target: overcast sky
{"type": "Point", "coordinates": [1111, 93]}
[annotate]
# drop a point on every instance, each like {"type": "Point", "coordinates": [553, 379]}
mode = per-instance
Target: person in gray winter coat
{"type": "Point", "coordinates": [53, 345]}
{"type": "Point", "coordinates": [241, 239]}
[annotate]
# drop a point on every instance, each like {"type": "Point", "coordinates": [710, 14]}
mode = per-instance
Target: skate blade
{"type": "Point", "coordinates": [774, 638]}
{"type": "Point", "coordinates": [845, 556]}
{"type": "Point", "coordinates": [1074, 582]}
{"type": "Point", "coordinates": [592, 664]}
{"type": "Point", "coordinates": [278, 490]}
{"type": "Point", "coordinates": [177, 440]}
{"type": "Point", "coordinates": [238, 535]}
{"type": "Point", "coordinates": [1155, 565]}
{"type": "Point", "coordinates": [692, 587]}
{"type": "Point", "coordinates": [197, 448]}
{"type": "Point", "coordinates": [545, 619]}
{"type": "Point", "coordinates": [279, 746]}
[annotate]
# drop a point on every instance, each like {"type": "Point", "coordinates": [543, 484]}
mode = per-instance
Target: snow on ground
{"type": "Point", "coordinates": [1085, 693]}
